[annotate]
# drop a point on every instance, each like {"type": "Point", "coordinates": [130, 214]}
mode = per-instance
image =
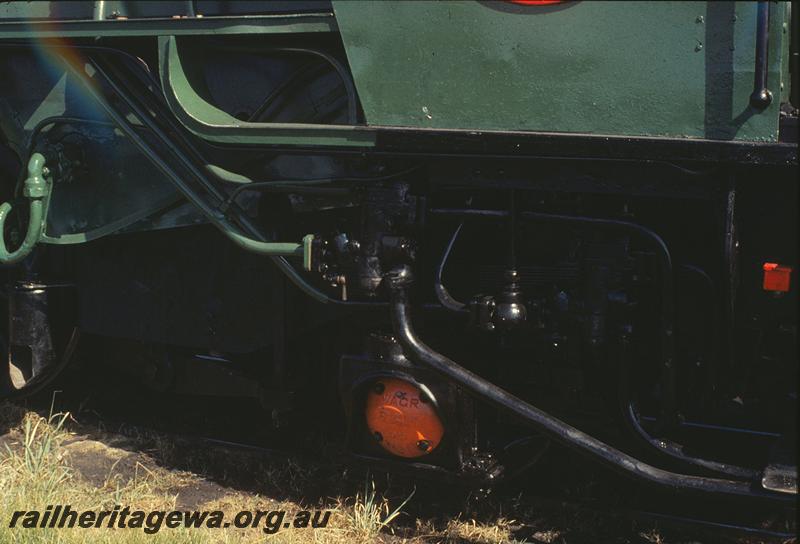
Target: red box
{"type": "Point", "coordinates": [777, 277]}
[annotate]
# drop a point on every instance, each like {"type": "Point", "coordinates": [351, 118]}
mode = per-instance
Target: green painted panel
{"type": "Point", "coordinates": [678, 69]}
{"type": "Point", "coordinates": [213, 124]}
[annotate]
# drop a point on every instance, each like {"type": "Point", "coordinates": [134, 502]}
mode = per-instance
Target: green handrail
{"type": "Point", "coordinates": [36, 189]}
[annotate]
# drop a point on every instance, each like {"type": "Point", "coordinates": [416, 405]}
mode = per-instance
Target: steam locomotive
{"type": "Point", "coordinates": [462, 231]}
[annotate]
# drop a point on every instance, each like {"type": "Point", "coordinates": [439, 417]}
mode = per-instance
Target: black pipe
{"type": "Point", "coordinates": [761, 96]}
{"type": "Point", "coordinates": [442, 294]}
{"type": "Point", "coordinates": [676, 451]}
{"type": "Point", "coordinates": [298, 185]}
{"type": "Point", "coordinates": [398, 282]}
{"type": "Point", "coordinates": [668, 414]}
{"type": "Point", "coordinates": [665, 447]}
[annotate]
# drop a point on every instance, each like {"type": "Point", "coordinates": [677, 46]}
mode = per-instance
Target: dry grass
{"type": "Point", "coordinates": [44, 463]}
{"type": "Point", "coordinates": [54, 460]}
{"type": "Point", "coordinates": [35, 472]}
{"type": "Point", "coordinates": [370, 514]}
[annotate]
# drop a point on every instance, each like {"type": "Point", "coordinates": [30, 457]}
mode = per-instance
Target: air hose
{"type": "Point", "coordinates": [36, 190]}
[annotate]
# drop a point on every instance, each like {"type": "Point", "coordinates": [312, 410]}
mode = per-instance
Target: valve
{"type": "Point", "coordinates": [506, 311]}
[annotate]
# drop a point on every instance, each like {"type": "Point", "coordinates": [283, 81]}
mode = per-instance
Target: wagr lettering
{"type": "Point", "coordinates": [401, 399]}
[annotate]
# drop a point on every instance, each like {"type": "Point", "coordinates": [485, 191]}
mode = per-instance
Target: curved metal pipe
{"type": "Point", "coordinates": [665, 447]}
{"type": "Point", "coordinates": [399, 281]}
{"type": "Point", "coordinates": [442, 294]}
{"type": "Point", "coordinates": [675, 451]}
{"type": "Point", "coordinates": [36, 189]}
